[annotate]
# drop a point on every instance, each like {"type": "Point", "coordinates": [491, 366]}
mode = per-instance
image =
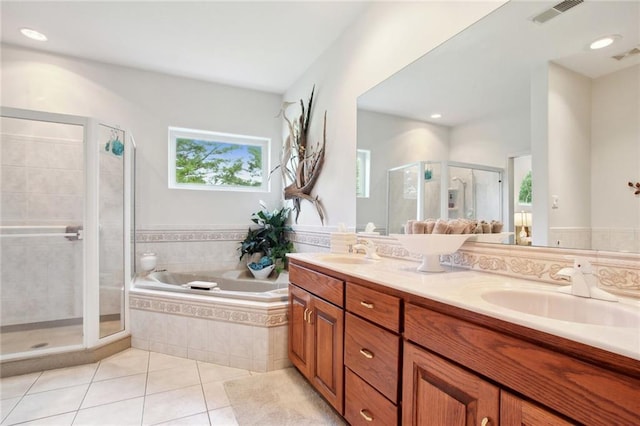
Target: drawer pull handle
{"type": "Point", "coordinates": [366, 415]}
{"type": "Point", "coordinates": [309, 316]}
{"type": "Point", "coordinates": [367, 304]}
{"type": "Point", "coordinates": [304, 315]}
{"type": "Point", "coordinates": [366, 353]}
{"type": "Point", "coordinates": [485, 421]}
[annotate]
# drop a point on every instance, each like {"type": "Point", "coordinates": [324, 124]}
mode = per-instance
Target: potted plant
{"type": "Point", "coordinates": [269, 240]}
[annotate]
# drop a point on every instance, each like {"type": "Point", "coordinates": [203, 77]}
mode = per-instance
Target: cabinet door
{"type": "Point", "coordinates": [439, 393]}
{"type": "Point", "coordinates": [515, 411]}
{"type": "Point", "coordinates": [328, 372]}
{"type": "Point", "coordinates": [300, 330]}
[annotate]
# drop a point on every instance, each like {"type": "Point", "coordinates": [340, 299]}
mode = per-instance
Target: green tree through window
{"type": "Point", "coordinates": [218, 163]}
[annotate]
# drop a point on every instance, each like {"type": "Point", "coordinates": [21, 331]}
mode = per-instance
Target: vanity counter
{"type": "Point", "coordinates": [463, 291]}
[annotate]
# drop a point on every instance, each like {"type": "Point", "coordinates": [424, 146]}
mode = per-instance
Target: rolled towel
{"type": "Point", "coordinates": [486, 227]}
{"type": "Point", "coordinates": [458, 226]}
{"type": "Point", "coordinates": [478, 229]}
{"type": "Point", "coordinates": [408, 228]}
{"type": "Point", "coordinates": [419, 227]}
{"type": "Point", "coordinates": [441, 227]}
{"type": "Point", "coordinates": [431, 223]}
{"type": "Point", "coordinates": [496, 227]}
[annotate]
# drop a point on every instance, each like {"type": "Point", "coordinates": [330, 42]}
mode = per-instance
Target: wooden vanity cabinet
{"type": "Point", "coordinates": [372, 356]}
{"type": "Point", "coordinates": [554, 382]}
{"type": "Point", "coordinates": [396, 358]}
{"type": "Point", "coordinates": [437, 392]}
{"type": "Point", "coordinates": [316, 330]}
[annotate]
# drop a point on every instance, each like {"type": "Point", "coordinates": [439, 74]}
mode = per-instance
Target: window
{"type": "Point", "coordinates": [363, 161]}
{"type": "Point", "coordinates": [200, 159]}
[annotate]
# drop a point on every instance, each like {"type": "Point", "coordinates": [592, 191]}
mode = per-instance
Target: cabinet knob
{"type": "Point", "coordinates": [366, 415]}
{"type": "Point", "coordinates": [367, 304]}
{"type": "Point", "coordinates": [366, 353]}
{"type": "Point", "coordinates": [485, 421]}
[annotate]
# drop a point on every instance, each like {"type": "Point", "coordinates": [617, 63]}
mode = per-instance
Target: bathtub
{"type": "Point", "coordinates": [233, 284]}
{"type": "Point", "coordinates": [240, 322]}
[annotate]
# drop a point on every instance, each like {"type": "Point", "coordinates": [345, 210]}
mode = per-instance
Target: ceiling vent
{"type": "Point", "coordinates": [556, 10]}
{"type": "Point", "coordinates": [629, 53]}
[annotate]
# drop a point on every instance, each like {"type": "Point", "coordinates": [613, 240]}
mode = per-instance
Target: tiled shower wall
{"type": "Point", "coordinates": [42, 184]}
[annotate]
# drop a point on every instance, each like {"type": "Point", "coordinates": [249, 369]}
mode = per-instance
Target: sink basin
{"type": "Point", "coordinates": [565, 307]}
{"type": "Point", "coordinates": [346, 259]}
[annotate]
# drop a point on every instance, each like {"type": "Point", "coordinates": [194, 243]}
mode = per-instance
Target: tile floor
{"type": "Point", "coordinates": [133, 387]}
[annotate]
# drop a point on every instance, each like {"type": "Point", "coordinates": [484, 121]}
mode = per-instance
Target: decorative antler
{"type": "Point", "coordinates": [636, 187]}
{"type": "Point", "coordinates": [299, 164]}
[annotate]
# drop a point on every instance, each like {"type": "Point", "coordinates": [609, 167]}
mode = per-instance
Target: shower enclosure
{"type": "Point", "coordinates": [65, 232]}
{"type": "Point", "coordinates": [442, 189]}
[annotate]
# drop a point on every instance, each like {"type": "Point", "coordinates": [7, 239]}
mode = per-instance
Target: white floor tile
{"type": "Point", "coordinates": [121, 413]}
{"type": "Point", "coordinates": [215, 373]}
{"type": "Point", "coordinates": [45, 404]}
{"type": "Point", "coordinates": [127, 363]}
{"type": "Point", "coordinates": [64, 378]}
{"type": "Point", "coordinates": [112, 390]}
{"type": "Point", "coordinates": [59, 420]}
{"type": "Point", "coordinates": [197, 420]}
{"type": "Point", "coordinates": [223, 417]}
{"type": "Point", "coordinates": [214, 395]}
{"type": "Point", "coordinates": [8, 405]}
{"type": "Point", "coordinates": [173, 378]}
{"type": "Point", "coordinates": [176, 404]}
{"type": "Point", "coordinates": [11, 387]}
{"type": "Point", "coordinates": [158, 361]}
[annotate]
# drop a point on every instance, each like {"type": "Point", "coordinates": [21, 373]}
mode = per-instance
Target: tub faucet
{"type": "Point", "coordinates": [583, 282]}
{"type": "Point", "coordinates": [369, 248]}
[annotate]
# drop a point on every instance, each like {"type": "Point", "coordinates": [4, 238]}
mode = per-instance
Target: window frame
{"type": "Point", "coordinates": [363, 155]}
{"type": "Point", "coordinates": [175, 133]}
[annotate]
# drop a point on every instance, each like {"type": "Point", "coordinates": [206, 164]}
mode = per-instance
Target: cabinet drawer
{"type": "Point", "coordinates": [366, 406]}
{"type": "Point", "coordinates": [377, 307]}
{"type": "Point", "coordinates": [373, 353]}
{"type": "Point", "coordinates": [326, 287]}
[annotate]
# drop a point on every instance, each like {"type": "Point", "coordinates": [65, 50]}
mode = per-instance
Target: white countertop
{"type": "Point", "coordinates": [464, 289]}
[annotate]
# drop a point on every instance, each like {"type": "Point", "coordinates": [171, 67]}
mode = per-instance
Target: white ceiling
{"type": "Point", "coordinates": [487, 68]}
{"type": "Point", "coordinates": [263, 45]}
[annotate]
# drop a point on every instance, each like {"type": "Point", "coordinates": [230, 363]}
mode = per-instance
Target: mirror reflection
{"type": "Point", "coordinates": [521, 91]}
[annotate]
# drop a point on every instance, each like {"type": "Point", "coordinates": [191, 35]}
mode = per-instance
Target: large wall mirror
{"type": "Point", "coordinates": [522, 92]}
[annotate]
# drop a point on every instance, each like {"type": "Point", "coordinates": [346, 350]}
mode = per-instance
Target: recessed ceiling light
{"type": "Point", "coordinates": [33, 34]}
{"type": "Point", "coordinates": [436, 115]}
{"type": "Point", "coordinates": [604, 41]}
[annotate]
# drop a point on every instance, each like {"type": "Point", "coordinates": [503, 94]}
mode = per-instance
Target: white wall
{"type": "Point", "coordinates": [569, 153]}
{"type": "Point", "coordinates": [394, 141]}
{"type": "Point", "coordinates": [146, 103]}
{"type": "Point", "coordinates": [615, 126]}
{"type": "Point", "coordinates": [491, 140]}
{"type": "Point", "coordinates": [387, 37]}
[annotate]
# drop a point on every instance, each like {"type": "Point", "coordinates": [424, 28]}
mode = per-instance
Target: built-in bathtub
{"type": "Point", "coordinates": [234, 284]}
{"type": "Point", "coordinates": [240, 322]}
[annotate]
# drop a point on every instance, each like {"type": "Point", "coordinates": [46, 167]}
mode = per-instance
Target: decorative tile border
{"type": "Point", "coordinates": [617, 272]}
{"type": "Point", "coordinates": [267, 317]}
{"type": "Point", "coordinates": [172, 236]}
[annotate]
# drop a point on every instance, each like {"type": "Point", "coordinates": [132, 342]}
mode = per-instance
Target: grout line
{"type": "Point", "coordinates": [204, 397]}
{"type": "Point", "coordinates": [86, 392]}
{"type": "Point", "coordinates": [146, 383]}
{"type": "Point", "coordinates": [21, 398]}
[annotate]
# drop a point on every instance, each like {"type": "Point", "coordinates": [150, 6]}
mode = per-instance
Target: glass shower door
{"type": "Point", "coordinates": [41, 234]}
{"type": "Point", "coordinates": [111, 234]}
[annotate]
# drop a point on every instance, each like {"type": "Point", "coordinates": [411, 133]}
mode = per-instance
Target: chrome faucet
{"type": "Point", "coordinates": [369, 248]}
{"type": "Point", "coordinates": [583, 282]}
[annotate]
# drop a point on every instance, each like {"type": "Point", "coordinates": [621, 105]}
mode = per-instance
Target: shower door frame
{"type": "Point", "coordinates": [91, 234]}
